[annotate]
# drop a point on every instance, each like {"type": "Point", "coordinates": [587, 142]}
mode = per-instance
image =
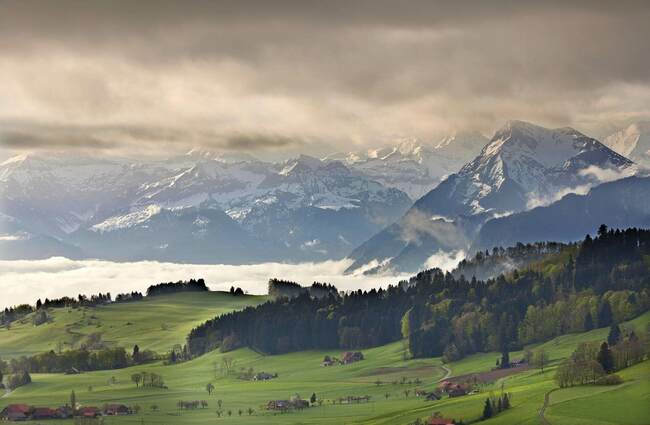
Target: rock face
{"type": "Point", "coordinates": [523, 166]}
{"type": "Point", "coordinates": [632, 142]}
{"type": "Point", "coordinates": [200, 207]}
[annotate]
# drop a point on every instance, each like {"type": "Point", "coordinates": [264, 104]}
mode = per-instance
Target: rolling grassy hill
{"type": "Point", "coordinates": [154, 323]}
{"type": "Point", "coordinates": [301, 373]}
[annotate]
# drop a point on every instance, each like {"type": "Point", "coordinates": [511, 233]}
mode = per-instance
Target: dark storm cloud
{"type": "Point", "coordinates": [29, 135]}
{"type": "Point", "coordinates": [346, 71]}
{"type": "Point", "coordinates": [37, 137]}
{"type": "Point", "coordinates": [250, 142]}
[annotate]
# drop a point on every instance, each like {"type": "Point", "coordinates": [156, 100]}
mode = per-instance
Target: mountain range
{"type": "Point", "coordinates": [198, 207]}
{"type": "Point", "coordinates": [413, 166]}
{"type": "Point", "coordinates": [394, 208]}
{"type": "Point", "coordinates": [523, 166]}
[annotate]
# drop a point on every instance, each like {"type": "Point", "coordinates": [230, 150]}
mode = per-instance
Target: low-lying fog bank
{"type": "Point", "coordinates": [25, 281]}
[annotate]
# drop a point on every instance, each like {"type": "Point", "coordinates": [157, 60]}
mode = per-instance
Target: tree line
{"type": "Point", "coordinates": [572, 289]}
{"type": "Point", "coordinates": [78, 360]}
{"type": "Point", "coordinates": [192, 285]}
{"type": "Point", "coordinates": [595, 363]}
{"type": "Point", "coordinates": [278, 288]}
{"type": "Point", "coordinates": [11, 314]}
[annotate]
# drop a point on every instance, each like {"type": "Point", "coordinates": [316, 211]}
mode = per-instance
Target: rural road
{"type": "Point", "coordinates": [447, 373]}
{"type": "Point", "coordinates": [542, 418]}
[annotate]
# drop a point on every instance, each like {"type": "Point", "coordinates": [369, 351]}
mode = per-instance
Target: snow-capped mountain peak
{"type": "Point", "coordinates": [549, 147]}
{"type": "Point", "coordinates": [632, 142]}
{"type": "Point", "coordinates": [413, 165]}
{"type": "Point", "coordinates": [301, 163]}
{"type": "Point", "coordinates": [525, 162]}
{"type": "Point", "coordinates": [219, 156]}
{"type": "Point", "coordinates": [524, 165]}
{"type": "Point", "coordinates": [161, 209]}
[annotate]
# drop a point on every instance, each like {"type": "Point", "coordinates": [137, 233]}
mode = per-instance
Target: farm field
{"type": "Point", "coordinates": [379, 376]}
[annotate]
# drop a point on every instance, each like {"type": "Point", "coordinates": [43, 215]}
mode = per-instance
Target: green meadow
{"type": "Point", "coordinates": [155, 323]}
{"type": "Point", "coordinates": [385, 375]}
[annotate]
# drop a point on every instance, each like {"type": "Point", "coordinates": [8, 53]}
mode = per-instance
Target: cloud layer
{"type": "Point", "coordinates": [24, 281]}
{"type": "Point", "coordinates": [257, 76]}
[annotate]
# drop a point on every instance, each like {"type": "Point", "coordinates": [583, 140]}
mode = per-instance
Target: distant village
{"type": "Point", "coordinates": [24, 412]}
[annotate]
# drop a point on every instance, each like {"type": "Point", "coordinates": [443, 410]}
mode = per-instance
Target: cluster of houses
{"type": "Point", "coordinates": [24, 412]}
{"type": "Point", "coordinates": [264, 376]}
{"type": "Point", "coordinates": [286, 405]}
{"type": "Point", "coordinates": [449, 388]}
{"type": "Point", "coordinates": [428, 395]}
{"type": "Point", "coordinates": [346, 358]}
{"type": "Point", "coordinates": [454, 389]}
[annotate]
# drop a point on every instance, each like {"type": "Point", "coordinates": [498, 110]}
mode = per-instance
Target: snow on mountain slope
{"type": "Point", "coordinates": [632, 142]}
{"type": "Point", "coordinates": [620, 204]}
{"type": "Point", "coordinates": [413, 166]}
{"type": "Point", "coordinates": [524, 165]}
{"type": "Point", "coordinates": [128, 220]}
{"type": "Point", "coordinates": [89, 201]}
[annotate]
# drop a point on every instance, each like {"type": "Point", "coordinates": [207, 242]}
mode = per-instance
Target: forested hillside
{"type": "Point", "coordinates": [572, 289]}
{"type": "Point", "coordinates": [491, 263]}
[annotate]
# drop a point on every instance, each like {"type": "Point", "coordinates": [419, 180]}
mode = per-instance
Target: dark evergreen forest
{"type": "Point", "coordinates": [570, 288]}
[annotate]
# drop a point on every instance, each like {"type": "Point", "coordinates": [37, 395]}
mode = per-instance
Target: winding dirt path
{"type": "Point", "coordinates": [547, 400]}
{"type": "Point", "coordinates": [447, 373]}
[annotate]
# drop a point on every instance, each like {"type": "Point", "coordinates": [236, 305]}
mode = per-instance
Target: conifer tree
{"type": "Point", "coordinates": [605, 314]}
{"type": "Point", "coordinates": [589, 322]}
{"type": "Point", "coordinates": [614, 335]}
{"type": "Point", "coordinates": [73, 401]}
{"type": "Point", "coordinates": [605, 358]}
{"type": "Point", "coordinates": [487, 410]}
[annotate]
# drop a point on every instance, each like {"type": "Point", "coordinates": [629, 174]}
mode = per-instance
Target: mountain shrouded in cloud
{"type": "Point", "coordinates": [624, 202]}
{"type": "Point", "coordinates": [524, 165]}
{"type": "Point", "coordinates": [633, 142]}
{"type": "Point", "coordinates": [280, 78]}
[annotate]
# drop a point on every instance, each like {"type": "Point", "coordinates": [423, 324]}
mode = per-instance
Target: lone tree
{"type": "Point", "coordinates": [73, 401]}
{"type": "Point", "coordinates": [505, 359]}
{"type": "Point", "coordinates": [488, 412]}
{"type": "Point", "coordinates": [136, 378]}
{"type": "Point", "coordinates": [312, 399]}
{"type": "Point", "coordinates": [209, 388]}
{"type": "Point", "coordinates": [136, 353]}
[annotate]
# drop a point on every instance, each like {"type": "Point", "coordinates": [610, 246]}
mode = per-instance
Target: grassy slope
{"type": "Point", "coordinates": [156, 323]}
{"type": "Point", "coordinates": [627, 404]}
{"type": "Point", "coordinates": [301, 373]}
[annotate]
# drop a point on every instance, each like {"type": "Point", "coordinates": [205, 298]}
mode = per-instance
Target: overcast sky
{"type": "Point", "coordinates": [267, 76]}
